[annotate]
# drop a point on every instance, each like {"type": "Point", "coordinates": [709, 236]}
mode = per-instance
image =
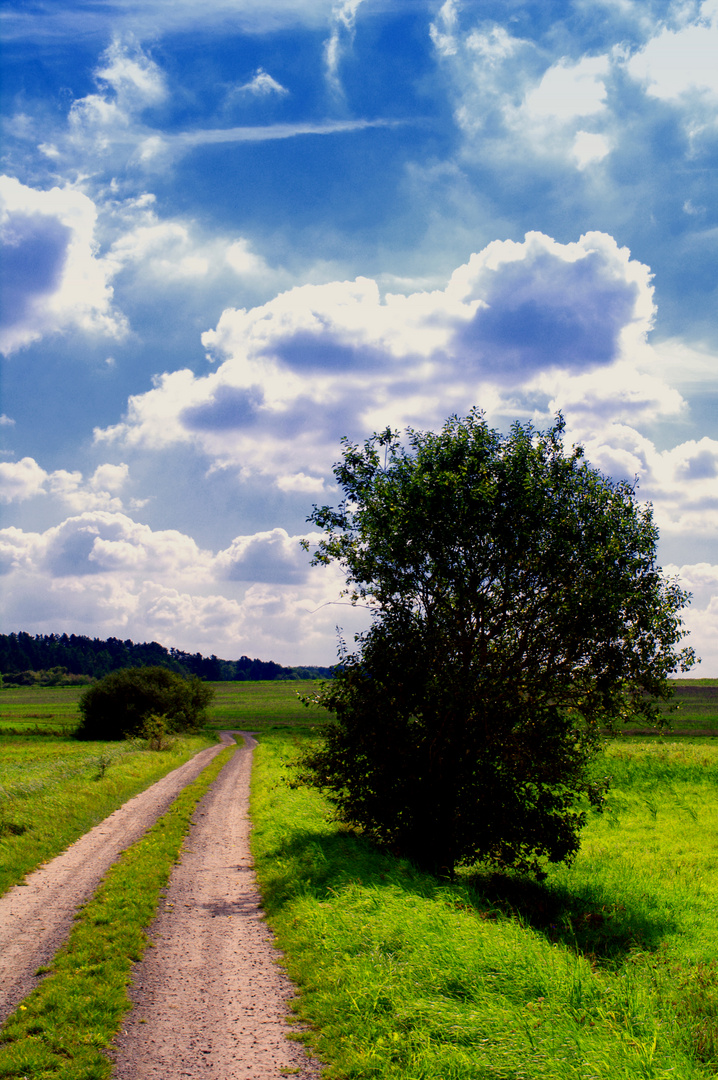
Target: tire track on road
{"type": "Point", "coordinates": [36, 918]}
{"type": "Point", "coordinates": [210, 998]}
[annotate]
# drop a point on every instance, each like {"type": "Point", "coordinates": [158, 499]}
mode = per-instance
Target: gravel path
{"type": "Point", "coordinates": [209, 999]}
{"type": "Point", "coordinates": [36, 918]}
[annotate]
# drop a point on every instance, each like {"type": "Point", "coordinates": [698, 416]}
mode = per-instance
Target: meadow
{"type": "Point", "coordinates": [53, 789]}
{"type": "Point", "coordinates": [609, 968]}
{"type": "Point", "coordinates": [46, 710]}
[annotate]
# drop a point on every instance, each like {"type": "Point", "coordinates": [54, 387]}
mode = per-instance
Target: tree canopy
{"type": "Point", "coordinates": [518, 612]}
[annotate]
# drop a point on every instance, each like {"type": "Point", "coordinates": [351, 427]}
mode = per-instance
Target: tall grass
{"type": "Point", "coordinates": [606, 970]}
{"type": "Point", "coordinates": [53, 790]}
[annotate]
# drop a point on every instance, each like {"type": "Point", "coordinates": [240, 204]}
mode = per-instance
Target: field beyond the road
{"type": "Point", "coordinates": [258, 705]}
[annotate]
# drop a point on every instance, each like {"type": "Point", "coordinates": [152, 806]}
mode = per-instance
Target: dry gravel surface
{"type": "Point", "coordinates": [36, 918]}
{"type": "Point", "coordinates": [210, 999]}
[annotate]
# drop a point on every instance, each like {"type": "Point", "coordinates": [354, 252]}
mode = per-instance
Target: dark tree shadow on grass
{"type": "Point", "coordinates": [584, 920]}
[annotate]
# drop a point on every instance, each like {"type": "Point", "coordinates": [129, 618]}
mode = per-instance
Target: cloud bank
{"type": "Point", "coordinates": [104, 573]}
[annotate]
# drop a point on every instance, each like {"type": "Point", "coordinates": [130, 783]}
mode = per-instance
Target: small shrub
{"type": "Point", "coordinates": [154, 732]}
{"type": "Point", "coordinates": [118, 706]}
{"type": "Point", "coordinates": [103, 763]}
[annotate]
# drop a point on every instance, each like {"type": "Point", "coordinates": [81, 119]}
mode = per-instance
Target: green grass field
{"type": "Point", "coordinates": [255, 706]}
{"type": "Point", "coordinates": [258, 705]}
{"type": "Point", "coordinates": [698, 706]}
{"type": "Point", "coordinates": [47, 709]}
{"type": "Point", "coordinates": [608, 969]}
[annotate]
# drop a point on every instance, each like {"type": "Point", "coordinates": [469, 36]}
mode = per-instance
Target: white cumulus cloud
{"type": "Point", "coordinates": [320, 361]}
{"type": "Point", "coordinates": [53, 278]}
{"type": "Point", "coordinates": [570, 90]}
{"type": "Point", "coordinates": [21, 480]}
{"type": "Point", "coordinates": [26, 479]}
{"type": "Point", "coordinates": [104, 573]}
{"type": "Point", "coordinates": [681, 61]}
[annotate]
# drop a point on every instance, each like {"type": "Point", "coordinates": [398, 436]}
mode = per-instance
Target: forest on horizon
{"type": "Point", "coordinates": [54, 659]}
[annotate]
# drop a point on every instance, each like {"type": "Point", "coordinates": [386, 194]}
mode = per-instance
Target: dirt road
{"type": "Point", "coordinates": [36, 918]}
{"type": "Point", "coordinates": [209, 999]}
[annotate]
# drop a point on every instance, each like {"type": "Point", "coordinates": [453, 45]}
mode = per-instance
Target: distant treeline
{"type": "Point", "coordinates": [71, 658]}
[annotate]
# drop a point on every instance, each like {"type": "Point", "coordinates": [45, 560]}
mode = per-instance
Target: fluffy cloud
{"type": "Point", "coordinates": [97, 543]}
{"type": "Point", "coordinates": [128, 83]}
{"type": "Point", "coordinates": [110, 575]}
{"type": "Point", "coordinates": [567, 90]}
{"type": "Point", "coordinates": [21, 480]}
{"type": "Point", "coordinates": [679, 482]}
{"type": "Point", "coordinates": [678, 62]}
{"type": "Point", "coordinates": [491, 70]}
{"type": "Point", "coordinates": [574, 111]}
{"type": "Point", "coordinates": [52, 278]}
{"type": "Point", "coordinates": [167, 253]}
{"type": "Point", "coordinates": [701, 617]}
{"type": "Point", "coordinates": [25, 479]}
{"type": "Point", "coordinates": [522, 330]}
{"type": "Point", "coordinates": [271, 557]}
{"type": "Point", "coordinates": [503, 87]}
{"type": "Point", "coordinates": [320, 361]}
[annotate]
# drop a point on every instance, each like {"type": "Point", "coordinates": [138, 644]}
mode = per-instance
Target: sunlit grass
{"type": "Point", "coordinates": [254, 706]}
{"type": "Point", "coordinates": [606, 970]}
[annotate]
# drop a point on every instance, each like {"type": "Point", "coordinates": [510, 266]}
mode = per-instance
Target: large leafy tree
{"type": "Point", "coordinates": [518, 614]}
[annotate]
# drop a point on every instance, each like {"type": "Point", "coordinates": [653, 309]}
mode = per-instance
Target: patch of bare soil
{"type": "Point", "coordinates": [210, 998]}
{"type": "Point", "coordinates": [36, 918]}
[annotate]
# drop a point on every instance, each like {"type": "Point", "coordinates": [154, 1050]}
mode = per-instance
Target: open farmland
{"type": "Point", "coordinates": [698, 706]}
{"type": "Point", "coordinates": [258, 705]}
{"type": "Point", "coordinates": [51, 710]}
{"type": "Point", "coordinates": [255, 706]}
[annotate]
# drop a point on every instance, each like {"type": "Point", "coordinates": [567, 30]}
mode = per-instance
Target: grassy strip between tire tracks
{"type": "Point", "coordinates": [62, 1028]}
{"type": "Point", "coordinates": [608, 970]}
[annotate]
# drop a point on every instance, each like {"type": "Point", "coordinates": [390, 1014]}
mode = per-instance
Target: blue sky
{"type": "Point", "coordinates": [236, 231]}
